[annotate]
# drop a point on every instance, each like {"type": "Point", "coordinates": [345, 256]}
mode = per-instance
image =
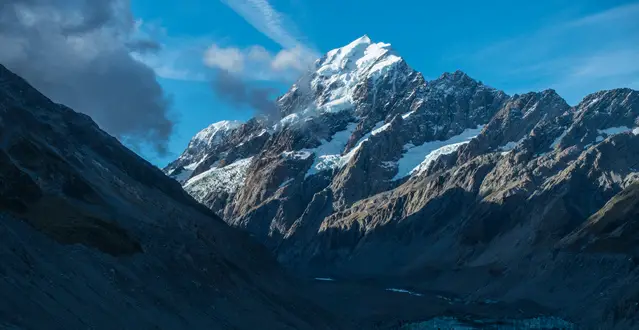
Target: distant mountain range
{"type": "Point", "coordinates": [393, 203]}
{"type": "Point", "coordinates": [451, 185]}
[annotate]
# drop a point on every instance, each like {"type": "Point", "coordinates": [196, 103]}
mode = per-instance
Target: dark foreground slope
{"type": "Point", "coordinates": [92, 236]}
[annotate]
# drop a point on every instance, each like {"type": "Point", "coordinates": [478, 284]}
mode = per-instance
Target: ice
{"type": "Point", "coordinates": [511, 145]}
{"type": "Point", "coordinates": [383, 66]}
{"type": "Point", "coordinates": [380, 129]}
{"type": "Point", "coordinates": [389, 164]}
{"type": "Point", "coordinates": [328, 154]}
{"type": "Point", "coordinates": [408, 114]}
{"type": "Point", "coordinates": [531, 110]}
{"type": "Point", "coordinates": [599, 138]}
{"type": "Point", "coordinates": [433, 155]}
{"type": "Point", "coordinates": [324, 279]}
{"type": "Point", "coordinates": [615, 130]}
{"type": "Point", "coordinates": [344, 68]}
{"type": "Point", "coordinates": [595, 100]}
{"type": "Point", "coordinates": [635, 131]}
{"type": "Point", "coordinates": [224, 179]}
{"type": "Point", "coordinates": [186, 172]}
{"type": "Point", "coordinates": [414, 156]}
{"type": "Point", "coordinates": [287, 182]}
{"type": "Point", "coordinates": [301, 154]}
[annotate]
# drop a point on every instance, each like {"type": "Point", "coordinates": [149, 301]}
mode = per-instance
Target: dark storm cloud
{"type": "Point", "coordinates": [77, 52]}
{"type": "Point", "coordinates": [240, 93]}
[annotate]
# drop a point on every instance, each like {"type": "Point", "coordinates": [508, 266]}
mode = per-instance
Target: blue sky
{"type": "Point", "coordinates": [575, 47]}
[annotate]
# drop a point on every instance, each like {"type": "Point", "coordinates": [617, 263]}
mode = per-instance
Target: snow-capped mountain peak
{"type": "Point", "coordinates": [337, 76]}
{"type": "Point", "coordinates": [359, 59]}
{"type": "Point", "coordinates": [215, 131]}
{"type": "Point", "coordinates": [200, 147]}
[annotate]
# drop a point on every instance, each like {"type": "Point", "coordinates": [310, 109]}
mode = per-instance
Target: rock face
{"type": "Point", "coordinates": [92, 236]}
{"type": "Point", "coordinates": [448, 184]}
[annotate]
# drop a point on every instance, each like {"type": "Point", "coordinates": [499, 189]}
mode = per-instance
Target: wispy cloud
{"type": "Point", "coordinates": [257, 63]}
{"type": "Point", "coordinates": [192, 59]}
{"type": "Point", "coordinates": [576, 57]}
{"type": "Point", "coordinates": [263, 17]}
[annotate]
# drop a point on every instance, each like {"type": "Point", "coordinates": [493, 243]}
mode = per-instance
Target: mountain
{"type": "Point", "coordinates": [92, 236]}
{"type": "Point", "coordinates": [372, 172]}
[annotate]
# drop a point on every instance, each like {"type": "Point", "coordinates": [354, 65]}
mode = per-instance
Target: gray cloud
{"type": "Point", "coordinates": [77, 52]}
{"type": "Point", "coordinates": [144, 46]}
{"type": "Point", "coordinates": [234, 90]}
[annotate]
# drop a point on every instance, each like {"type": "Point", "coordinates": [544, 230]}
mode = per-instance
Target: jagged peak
{"type": "Point", "coordinates": [592, 98]}
{"type": "Point", "coordinates": [358, 54]}
{"type": "Point", "coordinates": [365, 39]}
{"type": "Point", "coordinates": [209, 133]}
{"type": "Point", "coordinates": [448, 82]}
{"type": "Point", "coordinates": [456, 75]}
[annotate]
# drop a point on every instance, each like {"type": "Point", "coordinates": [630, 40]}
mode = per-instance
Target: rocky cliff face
{"type": "Point", "coordinates": [92, 236]}
{"type": "Point", "coordinates": [375, 172]}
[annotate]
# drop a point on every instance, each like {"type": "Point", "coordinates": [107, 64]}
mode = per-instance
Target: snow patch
{"type": "Point", "coordinates": [408, 114]}
{"type": "Point", "coordinates": [433, 155]}
{"type": "Point", "coordinates": [225, 179]}
{"type": "Point", "coordinates": [286, 183]}
{"type": "Point", "coordinates": [531, 110]}
{"type": "Point", "coordinates": [416, 158]}
{"type": "Point", "coordinates": [328, 154]}
{"type": "Point", "coordinates": [614, 130]}
{"type": "Point", "coordinates": [635, 131]}
{"type": "Point", "coordinates": [381, 129]}
{"type": "Point", "coordinates": [511, 145]}
{"type": "Point", "coordinates": [300, 154]}
{"type": "Point", "coordinates": [595, 100]}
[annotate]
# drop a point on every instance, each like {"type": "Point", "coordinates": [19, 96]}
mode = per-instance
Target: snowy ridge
{"type": "Point", "coordinates": [338, 74]}
{"type": "Point", "coordinates": [215, 132]}
{"type": "Point", "coordinates": [225, 179]}
{"type": "Point", "coordinates": [200, 145]}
